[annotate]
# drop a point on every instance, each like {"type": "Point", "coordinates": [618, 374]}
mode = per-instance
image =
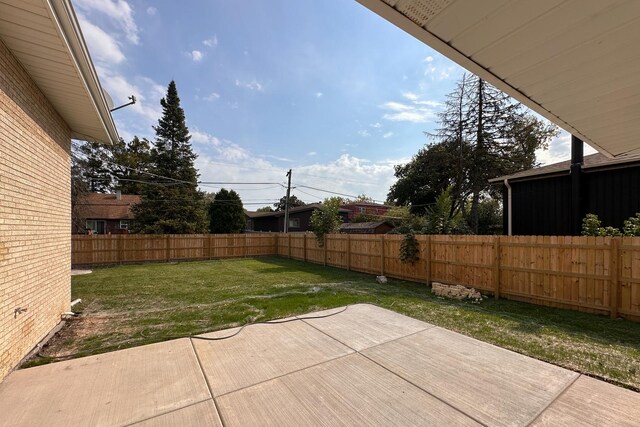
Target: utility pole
{"type": "Point", "coordinates": [286, 204]}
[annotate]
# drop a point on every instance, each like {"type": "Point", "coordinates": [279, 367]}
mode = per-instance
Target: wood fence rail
{"type": "Point", "coordinates": [593, 274]}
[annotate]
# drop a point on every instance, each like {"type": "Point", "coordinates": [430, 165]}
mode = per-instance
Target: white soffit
{"type": "Point", "coordinates": [575, 62]}
{"type": "Point", "coordinates": [45, 37]}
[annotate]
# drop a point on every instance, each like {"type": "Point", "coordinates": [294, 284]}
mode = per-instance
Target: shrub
{"type": "Point", "coordinates": [409, 249]}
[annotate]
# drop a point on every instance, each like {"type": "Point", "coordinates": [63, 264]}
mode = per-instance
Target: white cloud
{"type": "Point", "coordinates": [211, 42]}
{"type": "Point", "coordinates": [151, 11]}
{"type": "Point", "coordinates": [120, 12]}
{"type": "Point", "coordinates": [364, 133]}
{"type": "Point", "coordinates": [415, 111]}
{"type": "Point", "coordinates": [251, 85]}
{"type": "Point", "coordinates": [376, 125]}
{"type": "Point", "coordinates": [196, 55]}
{"type": "Point", "coordinates": [104, 48]}
{"type": "Point", "coordinates": [212, 97]}
{"type": "Point", "coordinates": [428, 59]}
{"type": "Point", "coordinates": [387, 135]}
{"type": "Point", "coordinates": [410, 96]}
{"type": "Point", "coordinates": [319, 94]}
{"type": "Point", "coordinates": [204, 138]}
{"type": "Point", "coordinates": [559, 150]}
{"type": "Point", "coordinates": [312, 153]}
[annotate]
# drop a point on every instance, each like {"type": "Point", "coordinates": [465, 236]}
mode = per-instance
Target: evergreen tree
{"type": "Point", "coordinates": [173, 205]}
{"type": "Point", "coordinates": [226, 213]}
{"type": "Point", "coordinates": [131, 164]}
{"type": "Point", "coordinates": [90, 160]}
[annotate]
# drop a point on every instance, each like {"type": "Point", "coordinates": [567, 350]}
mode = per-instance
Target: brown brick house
{"type": "Point", "coordinates": [49, 93]}
{"type": "Point", "coordinates": [105, 213]}
{"type": "Point", "coordinates": [379, 227]}
{"type": "Point", "coordinates": [365, 208]}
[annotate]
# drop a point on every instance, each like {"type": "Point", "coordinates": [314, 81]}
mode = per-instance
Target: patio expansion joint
{"type": "Point", "coordinates": [555, 398]}
{"type": "Point", "coordinates": [168, 412]}
{"type": "Point", "coordinates": [215, 404]}
{"type": "Point", "coordinates": [430, 327]}
{"type": "Point", "coordinates": [283, 375]}
{"type": "Point", "coordinates": [425, 391]}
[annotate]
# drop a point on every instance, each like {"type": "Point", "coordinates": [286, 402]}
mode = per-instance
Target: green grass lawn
{"type": "Point", "coordinates": [134, 305]}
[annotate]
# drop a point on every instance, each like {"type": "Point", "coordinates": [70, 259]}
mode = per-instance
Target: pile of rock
{"type": "Point", "coordinates": [458, 292]}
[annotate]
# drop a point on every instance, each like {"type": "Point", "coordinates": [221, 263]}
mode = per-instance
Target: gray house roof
{"type": "Point", "coordinates": [592, 161]}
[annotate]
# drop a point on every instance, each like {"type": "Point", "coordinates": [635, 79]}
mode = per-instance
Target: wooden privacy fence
{"type": "Point", "coordinates": [593, 274]}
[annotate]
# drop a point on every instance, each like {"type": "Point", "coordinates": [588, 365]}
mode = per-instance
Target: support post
{"type": "Point", "coordinates": [325, 250]}
{"type": "Point", "coordinates": [120, 244]}
{"type": "Point", "coordinates": [289, 245]}
{"type": "Point", "coordinates": [168, 244]}
{"type": "Point", "coordinates": [210, 246]}
{"type": "Point", "coordinates": [382, 254]}
{"type": "Point", "coordinates": [496, 267]}
{"type": "Point", "coordinates": [428, 260]}
{"type": "Point", "coordinates": [348, 252]}
{"type": "Point", "coordinates": [304, 246]}
{"type": "Point", "coordinates": [614, 272]}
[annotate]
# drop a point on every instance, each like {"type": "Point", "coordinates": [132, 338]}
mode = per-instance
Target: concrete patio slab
{"type": "Point", "coordinates": [110, 389]}
{"type": "Point", "coordinates": [263, 352]}
{"type": "Point", "coordinates": [493, 385]}
{"type": "Point", "coordinates": [350, 390]}
{"type": "Point", "coordinates": [294, 374]}
{"type": "Point", "coordinates": [589, 402]}
{"type": "Point", "coordinates": [364, 325]}
{"type": "Point", "coordinates": [200, 414]}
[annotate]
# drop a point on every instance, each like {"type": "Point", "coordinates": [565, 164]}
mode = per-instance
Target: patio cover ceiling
{"type": "Point", "coordinates": [44, 35]}
{"type": "Point", "coordinates": [575, 62]}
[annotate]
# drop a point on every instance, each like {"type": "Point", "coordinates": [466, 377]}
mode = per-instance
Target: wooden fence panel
{"type": "Point", "coordinates": [467, 262]}
{"type": "Point", "coordinates": [595, 274]}
{"type": "Point", "coordinates": [315, 253]}
{"type": "Point", "coordinates": [337, 250]}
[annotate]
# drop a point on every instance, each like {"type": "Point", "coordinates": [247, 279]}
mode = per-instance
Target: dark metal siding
{"type": "Point", "coordinates": [613, 195]}
{"type": "Point", "coordinates": [542, 207]}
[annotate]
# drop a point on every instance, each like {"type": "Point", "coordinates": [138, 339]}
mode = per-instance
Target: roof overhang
{"type": "Point", "coordinates": [575, 62]}
{"type": "Point", "coordinates": [45, 36]}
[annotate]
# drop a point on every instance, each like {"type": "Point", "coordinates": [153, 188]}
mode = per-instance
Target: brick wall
{"type": "Point", "coordinates": [35, 213]}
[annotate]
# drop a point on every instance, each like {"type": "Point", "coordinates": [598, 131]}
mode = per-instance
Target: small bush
{"type": "Point", "coordinates": [409, 249]}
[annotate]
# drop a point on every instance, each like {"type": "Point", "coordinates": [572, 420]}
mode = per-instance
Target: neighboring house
{"type": "Point", "coordinates": [274, 221]}
{"type": "Point", "coordinates": [106, 213]}
{"type": "Point", "coordinates": [49, 94]}
{"type": "Point", "coordinates": [553, 199]}
{"type": "Point", "coordinates": [367, 208]}
{"type": "Point", "coordinates": [380, 227]}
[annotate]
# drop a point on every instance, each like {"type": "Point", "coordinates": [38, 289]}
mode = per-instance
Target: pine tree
{"type": "Point", "coordinates": [173, 205]}
{"type": "Point", "coordinates": [131, 164]}
{"type": "Point", "coordinates": [226, 213]}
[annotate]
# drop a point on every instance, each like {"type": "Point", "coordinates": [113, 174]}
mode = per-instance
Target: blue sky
{"type": "Point", "coordinates": [325, 88]}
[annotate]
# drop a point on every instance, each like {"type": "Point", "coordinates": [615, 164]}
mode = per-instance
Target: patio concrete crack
{"type": "Point", "coordinates": [215, 404]}
{"type": "Point", "coordinates": [556, 397]}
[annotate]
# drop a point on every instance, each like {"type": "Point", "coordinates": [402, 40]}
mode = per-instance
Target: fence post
{"type": "Point", "coordinates": [325, 250]}
{"type": "Point", "coordinates": [304, 247]}
{"type": "Point", "coordinates": [168, 244]}
{"type": "Point", "coordinates": [428, 260]}
{"type": "Point", "coordinates": [496, 267]}
{"type": "Point", "coordinates": [348, 252]}
{"type": "Point", "coordinates": [382, 254]}
{"type": "Point", "coordinates": [119, 244]}
{"type": "Point", "coordinates": [289, 244]}
{"type": "Point", "coordinates": [614, 272]}
{"type": "Point", "coordinates": [244, 237]}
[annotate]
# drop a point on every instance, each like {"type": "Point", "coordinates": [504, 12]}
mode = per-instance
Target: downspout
{"type": "Point", "coordinates": [509, 218]}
